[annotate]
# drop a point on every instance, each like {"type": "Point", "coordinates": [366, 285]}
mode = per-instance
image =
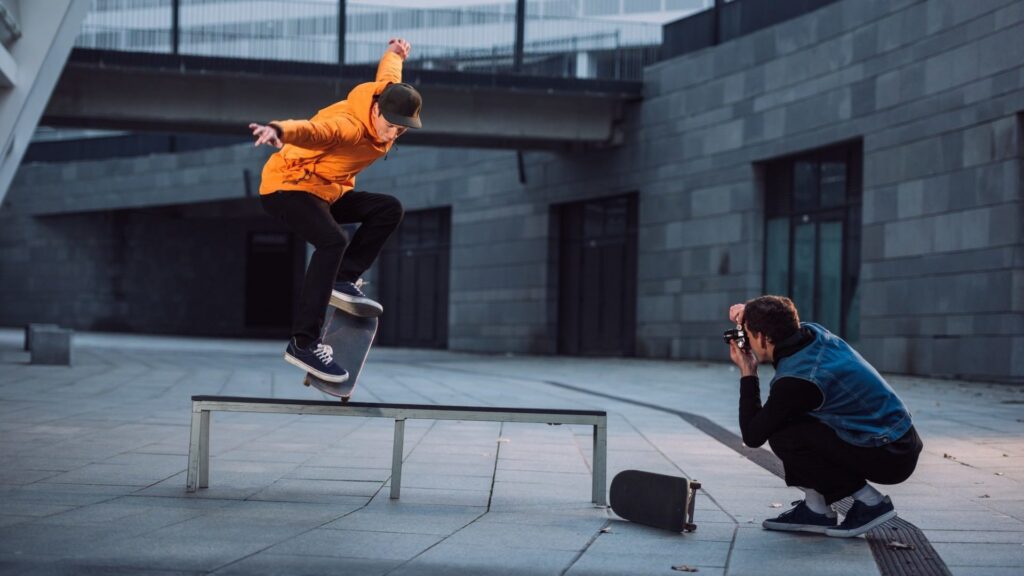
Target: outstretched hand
{"type": "Point", "coordinates": [265, 135]}
{"type": "Point", "coordinates": [399, 46]}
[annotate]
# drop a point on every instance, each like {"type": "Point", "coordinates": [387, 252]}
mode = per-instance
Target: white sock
{"type": "Point", "coordinates": [868, 495]}
{"type": "Point", "coordinates": [816, 502]}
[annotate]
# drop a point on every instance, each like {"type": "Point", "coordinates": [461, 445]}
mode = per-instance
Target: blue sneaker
{"type": "Point", "coordinates": [801, 519]}
{"type": "Point", "coordinates": [348, 297]}
{"type": "Point", "coordinates": [318, 360]}
{"type": "Point", "coordinates": [862, 518]}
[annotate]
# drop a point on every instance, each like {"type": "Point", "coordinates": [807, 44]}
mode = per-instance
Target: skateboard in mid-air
{"type": "Point", "coordinates": [351, 338]}
{"type": "Point", "coordinates": [656, 500]}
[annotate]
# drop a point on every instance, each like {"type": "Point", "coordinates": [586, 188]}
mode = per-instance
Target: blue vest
{"type": "Point", "coordinates": [859, 404]}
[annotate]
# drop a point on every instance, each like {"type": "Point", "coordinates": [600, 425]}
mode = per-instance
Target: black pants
{"type": "Point", "coordinates": [336, 257]}
{"type": "Point", "coordinates": [815, 457]}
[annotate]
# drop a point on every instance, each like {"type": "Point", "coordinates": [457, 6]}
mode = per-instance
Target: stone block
{"type": "Point", "coordinates": [30, 329]}
{"type": "Point", "coordinates": [51, 345]}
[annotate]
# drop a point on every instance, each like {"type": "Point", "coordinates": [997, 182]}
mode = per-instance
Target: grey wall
{"type": "Point", "coordinates": [933, 89]}
{"type": "Point", "coordinates": [154, 265]}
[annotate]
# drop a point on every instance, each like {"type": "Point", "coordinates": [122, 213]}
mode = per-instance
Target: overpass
{"type": "Point", "coordinates": [182, 93]}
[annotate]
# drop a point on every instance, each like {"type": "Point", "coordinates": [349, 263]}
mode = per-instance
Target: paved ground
{"type": "Point", "coordinates": [92, 470]}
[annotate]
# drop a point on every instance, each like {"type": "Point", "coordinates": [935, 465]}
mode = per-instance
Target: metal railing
{"type": "Point", "coordinates": [478, 38]}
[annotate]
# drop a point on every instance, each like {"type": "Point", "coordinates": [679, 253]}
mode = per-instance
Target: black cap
{"type": "Point", "coordinates": [400, 104]}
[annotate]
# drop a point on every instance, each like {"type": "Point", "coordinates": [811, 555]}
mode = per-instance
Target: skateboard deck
{"type": "Point", "coordinates": [656, 500]}
{"type": "Point", "coordinates": [351, 338]}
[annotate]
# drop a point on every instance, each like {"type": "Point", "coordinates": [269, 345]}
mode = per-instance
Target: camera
{"type": "Point", "coordinates": [737, 334]}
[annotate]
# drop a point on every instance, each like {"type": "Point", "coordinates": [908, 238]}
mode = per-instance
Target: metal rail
{"type": "Point", "coordinates": [203, 406]}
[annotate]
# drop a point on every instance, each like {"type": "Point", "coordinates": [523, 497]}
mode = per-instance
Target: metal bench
{"type": "Point", "coordinates": [202, 406]}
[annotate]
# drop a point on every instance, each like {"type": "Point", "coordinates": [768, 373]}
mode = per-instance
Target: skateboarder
{"type": "Point", "coordinates": [830, 417]}
{"type": "Point", "coordinates": [309, 185]}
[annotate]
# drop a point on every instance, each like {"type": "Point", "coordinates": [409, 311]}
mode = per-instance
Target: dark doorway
{"type": "Point", "coordinates": [813, 234]}
{"type": "Point", "coordinates": [271, 264]}
{"type": "Point", "coordinates": [597, 276]}
{"type": "Point", "coordinates": [413, 272]}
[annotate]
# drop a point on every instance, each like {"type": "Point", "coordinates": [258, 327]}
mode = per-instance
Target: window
{"type": "Point", "coordinates": [812, 234]}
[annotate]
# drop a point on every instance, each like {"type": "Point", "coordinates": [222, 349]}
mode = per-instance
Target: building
{"type": "Point", "coordinates": [863, 157]}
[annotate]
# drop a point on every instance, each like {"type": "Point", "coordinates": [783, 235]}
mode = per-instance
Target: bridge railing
{"type": "Point", "coordinates": [480, 38]}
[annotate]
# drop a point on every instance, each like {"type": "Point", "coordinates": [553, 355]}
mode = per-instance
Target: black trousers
{"type": "Point", "coordinates": [815, 457]}
{"type": "Point", "coordinates": [335, 255]}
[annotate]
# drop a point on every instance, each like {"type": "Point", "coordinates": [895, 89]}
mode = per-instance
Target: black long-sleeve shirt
{"type": "Point", "coordinates": [789, 398]}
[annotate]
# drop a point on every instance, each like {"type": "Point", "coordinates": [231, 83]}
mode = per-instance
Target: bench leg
{"type": "Point", "coordinates": [599, 475]}
{"type": "Point", "coordinates": [194, 452]}
{"type": "Point", "coordinates": [396, 459]}
{"type": "Point", "coordinates": [204, 449]}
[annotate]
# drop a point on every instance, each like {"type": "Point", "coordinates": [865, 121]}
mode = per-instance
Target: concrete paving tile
{"type": "Point", "coordinates": [122, 514]}
{"type": "Point", "coordinates": [351, 460]}
{"type": "Point", "coordinates": [634, 539]}
{"type": "Point", "coordinates": [406, 518]}
{"type": "Point", "coordinates": [356, 544]}
{"type": "Point", "coordinates": [754, 538]}
{"type": "Point", "coordinates": [324, 491]}
{"type": "Point", "coordinates": [619, 563]}
{"type": "Point", "coordinates": [413, 479]}
{"type": "Point", "coordinates": [340, 473]}
{"type": "Point", "coordinates": [10, 520]}
{"type": "Point", "coordinates": [544, 477]}
{"type": "Point", "coordinates": [755, 563]}
{"type": "Point", "coordinates": [975, 536]}
{"type": "Point", "coordinates": [589, 516]}
{"type": "Point", "coordinates": [706, 531]}
{"type": "Point", "coordinates": [290, 513]}
{"type": "Point", "coordinates": [522, 536]}
{"type": "Point", "coordinates": [16, 474]}
{"type": "Point", "coordinates": [984, 571]}
{"type": "Point", "coordinates": [257, 456]}
{"type": "Point", "coordinates": [266, 564]}
{"type": "Point", "coordinates": [444, 560]}
{"type": "Point", "coordinates": [34, 538]}
{"type": "Point", "coordinates": [568, 466]}
{"type": "Point", "coordinates": [70, 568]}
{"type": "Point", "coordinates": [482, 469]}
{"type": "Point", "coordinates": [63, 494]}
{"type": "Point", "coordinates": [31, 509]}
{"type": "Point", "coordinates": [981, 554]}
{"type": "Point", "coordinates": [444, 497]}
{"type": "Point", "coordinates": [115, 475]}
{"type": "Point", "coordinates": [978, 520]}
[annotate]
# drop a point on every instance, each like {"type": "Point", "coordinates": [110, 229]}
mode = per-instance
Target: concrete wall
{"type": "Point", "coordinates": [933, 89]}
{"type": "Point", "coordinates": [152, 266]}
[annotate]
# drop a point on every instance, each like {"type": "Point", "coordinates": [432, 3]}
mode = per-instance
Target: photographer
{"type": "Point", "coordinates": [830, 417]}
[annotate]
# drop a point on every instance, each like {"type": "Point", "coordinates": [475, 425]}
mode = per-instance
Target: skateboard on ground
{"type": "Point", "coordinates": [350, 337]}
{"type": "Point", "coordinates": [656, 500]}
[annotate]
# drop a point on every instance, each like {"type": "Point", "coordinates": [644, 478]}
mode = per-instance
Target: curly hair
{"type": "Point", "coordinates": [774, 316]}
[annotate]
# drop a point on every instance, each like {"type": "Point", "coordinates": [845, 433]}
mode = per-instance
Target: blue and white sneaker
{"type": "Point", "coordinates": [862, 518]}
{"type": "Point", "coordinates": [348, 297]}
{"type": "Point", "coordinates": [801, 519]}
{"type": "Point", "coordinates": [318, 360]}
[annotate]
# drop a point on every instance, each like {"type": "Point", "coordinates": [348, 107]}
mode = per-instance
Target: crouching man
{"type": "Point", "coordinates": [830, 417]}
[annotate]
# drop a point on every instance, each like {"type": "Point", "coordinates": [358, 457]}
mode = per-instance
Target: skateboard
{"type": "Point", "coordinates": [656, 500]}
{"type": "Point", "coordinates": [351, 338]}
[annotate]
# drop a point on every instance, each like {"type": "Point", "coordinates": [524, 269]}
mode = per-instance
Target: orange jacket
{"type": "Point", "coordinates": [322, 155]}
